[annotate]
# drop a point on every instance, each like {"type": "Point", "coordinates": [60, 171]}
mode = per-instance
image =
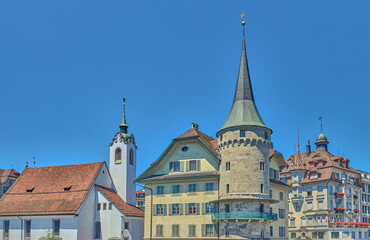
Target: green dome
{"type": "Point", "coordinates": [321, 138]}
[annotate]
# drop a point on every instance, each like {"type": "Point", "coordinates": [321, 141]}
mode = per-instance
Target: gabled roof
{"type": "Point", "coordinates": [193, 133]}
{"type": "Point", "coordinates": [125, 208]}
{"type": "Point", "coordinates": [5, 174]}
{"type": "Point", "coordinates": [50, 190]}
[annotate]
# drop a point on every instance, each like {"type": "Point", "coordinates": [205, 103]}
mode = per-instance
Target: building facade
{"type": "Point", "coordinates": [325, 202]}
{"type": "Point", "coordinates": [365, 197]}
{"type": "Point", "coordinates": [7, 178]}
{"type": "Point", "coordinates": [140, 199]}
{"type": "Point", "coordinates": [205, 188]}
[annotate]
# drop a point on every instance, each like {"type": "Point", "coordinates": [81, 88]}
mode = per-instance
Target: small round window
{"type": "Point", "coordinates": [184, 149]}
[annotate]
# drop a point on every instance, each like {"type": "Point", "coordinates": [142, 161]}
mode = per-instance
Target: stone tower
{"type": "Point", "coordinates": [244, 143]}
{"type": "Point", "coordinates": [122, 162]}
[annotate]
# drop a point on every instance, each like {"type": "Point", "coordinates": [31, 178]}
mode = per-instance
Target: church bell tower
{"type": "Point", "coordinates": [122, 162]}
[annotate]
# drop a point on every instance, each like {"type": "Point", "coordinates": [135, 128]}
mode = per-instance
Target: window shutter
{"type": "Point", "coordinates": [196, 187]}
{"type": "Point", "coordinates": [154, 209]}
{"type": "Point", "coordinates": [164, 209]}
{"type": "Point", "coordinates": [203, 230]}
{"type": "Point", "coordinates": [215, 229]}
{"type": "Point", "coordinates": [180, 208]}
{"type": "Point", "coordinates": [186, 208]}
{"type": "Point", "coordinates": [198, 206]}
{"type": "Point", "coordinates": [203, 208]}
{"type": "Point", "coordinates": [157, 230]}
{"type": "Point", "coordinates": [198, 165]}
{"type": "Point", "coordinates": [181, 166]}
{"type": "Point", "coordinates": [171, 166]}
{"type": "Point", "coordinates": [170, 209]}
{"type": "Point", "coordinates": [187, 166]}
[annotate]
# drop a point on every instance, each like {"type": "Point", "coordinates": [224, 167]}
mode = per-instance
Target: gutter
{"type": "Point", "coordinates": [21, 226]}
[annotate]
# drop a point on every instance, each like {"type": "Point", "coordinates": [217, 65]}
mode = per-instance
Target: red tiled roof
{"type": "Point", "coordinates": [40, 190]}
{"type": "Point", "coordinates": [210, 142]}
{"type": "Point", "coordinates": [125, 208]}
{"type": "Point", "coordinates": [8, 173]}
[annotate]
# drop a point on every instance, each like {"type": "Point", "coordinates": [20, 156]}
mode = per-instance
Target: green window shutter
{"type": "Point", "coordinates": [154, 209]}
{"type": "Point", "coordinates": [198, 206]}
{"type": "Point", "coordinates": [181, 166]}
{"type": "Point", "coordinates": [181, 207]}
{"type": "Point", "coordinates": [196, 188]}
{"type": "Point", "coordinates": [198, 165]}
{"type": "Point", "coordinates": [170, 209]}
{"type": "Point", "coordinates": [187, 166]}
{"type": "Point", "coordinates": [186, 208]}
{"type": "Point", "coordinates": [164, 209]}
{"type": "Point", "coordinates": [203, 208]}
{"type": "Point", "coordinates": [215, 229]}
{"type": "Point", "coordinates": [157, 230]}
{"type": "Point", "coordinates": [171, 166]}
{"type": "Point", "coordinates": [203, 230]}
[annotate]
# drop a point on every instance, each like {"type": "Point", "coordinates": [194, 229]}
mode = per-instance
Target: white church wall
{"type": "Point", "coordinates": [110, 219]}
{"type": "Point", "coordinates": [136, 228]}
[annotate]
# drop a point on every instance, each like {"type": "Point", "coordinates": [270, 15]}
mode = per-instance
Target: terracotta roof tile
{"type": "Point", "coordinates": [207, 140]}
{"type": "Point", "coordinates": [40, 190]}
{"type": "Point", "coordinates": [125, 208]}
{"type": "Point", "coordinates": [8, 173]}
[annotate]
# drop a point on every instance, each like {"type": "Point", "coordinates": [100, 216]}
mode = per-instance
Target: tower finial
{"type": "Point", "coordinates": [123, 127]}
{"type": "Point", "coordinates": [320, 118]}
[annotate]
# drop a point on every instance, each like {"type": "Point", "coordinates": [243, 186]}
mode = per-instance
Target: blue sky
{"type": "Point", "coordinates": [66, 65]}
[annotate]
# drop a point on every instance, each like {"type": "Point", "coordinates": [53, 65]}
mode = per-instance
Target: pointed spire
{"type": "Point", "coordinates": [123, 127]}
{"type": "Point", "coordinates": [243, 111]}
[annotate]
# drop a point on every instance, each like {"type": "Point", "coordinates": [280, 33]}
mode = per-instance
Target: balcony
{"type": "Point", "coordinates": [244, 216]}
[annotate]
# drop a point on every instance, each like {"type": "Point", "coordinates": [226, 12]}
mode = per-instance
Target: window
{"type": "Point", "coordinates": [292, 222]}
{"type": "Point", "coordinates": [309, 205]}
{"type": "Point", "coordinates": [266, 136]}
{"type": "Point", "coordinates": [176, 189]}
{"type": "Point", "coordinates": [208, 230]}
{"type": "Point", "coordinates": [6, 228]}
{"type": "Point", "coordinates": [56, 227]}
{"type": "Point", "coordinates": [209, 187]}
{"type": "Point", "coordinates": [184, 149]}
{"type": "Point", "coordinates": [320, 188]}
{"type": "Point", "coordinates": [270, 193]}
{"type": "Point", "coordinates": [118, 155]}
{"type": "Point", "coordinates": [27, 228]}
{"type": "Point", "coordinates": [228, 166]}
{"type": "Point", "coordinates": [293, 235]}
{"type": "Point", "coordinates": [175, 230]}
{"type": "Point", "coordinates": [192, 165]}
{"type": "Point", "coordinates": [192, 187]}
{"type": "Point", "coordinates": [281, 196]}
{"type": "Point", "coordinates": [176, 166]}
{"type": "Point", "coordinates": [127, 225]}
{"type": "Point", "coordinates": [281, 231]}
{"type": "Point", "coordinates": [309, 222]}
{"type": "Point", "coordinates": [209, 208]}
{"type": "Point", "coordinates": [309, 192]}
{"type": "Point", "coordinates": [104, 206]}
{"type": "Point", "coordinates": [131, 157]}
{"type": "Point", "coordinates": [192, 230]}
{"type": "Point", "coordinates": [334, 235]}
{"type": "Point", "coordinates": [193, 208]}
{"type": "Point", "coordinates": [110, 206]}
{"type": "Point", "coordinates": [227, 207]}
{"type": "Point", "coordinates": [160, 190]}
{"type": "Point", "coordinates": [261, 188]}
{"type": "Point", "coordinates": [300, 178]}
{"type": "Point", "coordinates": [98, 207]}
{"type": "Point", "coordinates": [175, 208]}
{"type": "Point", "coordinates": [160, 209]}
{"type": "Point", "coordinates": [313, 176]}
{"type": "Point", "coordinates": [227, 188]}
{"type": "Point", "coordinates": [262, 166]}
{"type": "Point", "coordinates": [271, 231]}
{"type": "Point", "coordinates": [281, 213]}
{"type": "Point", "coordinates": [242, 133]}
{"type": "Point", "coordinates": [320, 205]}
{"type": "Point", "coordinates": [159, 230]}
{"type": "Point", "coordinates": [97, 230]}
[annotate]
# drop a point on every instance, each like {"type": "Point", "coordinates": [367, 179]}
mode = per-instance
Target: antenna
{"type": "Point", "coordinates": [298, 141]}
{"type": "Point", "coordinates": [320, 118]}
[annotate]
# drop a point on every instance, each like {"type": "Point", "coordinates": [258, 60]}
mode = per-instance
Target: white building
{"type": "Point", "coordinates": [82, 201]}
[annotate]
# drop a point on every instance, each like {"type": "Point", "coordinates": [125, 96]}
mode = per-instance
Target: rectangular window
{"type": "Point", "coordinates": [281, 213]}
{"type": "Point", "coordinates": [209, 187]}
{"type": "Point", "coordinates": [281, 196]}
{"type": "Point", "coordinates": [176, 208]}
{"type": "Point", "coordinates": [261, 188]}
{"type": "Point", "coordinates": [281, 231]}
{"type": "Point", "coordinates": [110, 206]}
{"type": "Point", "coordinates": [293, 235]}
{"type": "Point", "coordinates": [176, 166]}
{"type": "Point", "coordinates": [209, 230]}
{"type": "Point", "coordinates": [104, 206]}
{"type": "Point", "coordinates": [159, 230]}
{"type": "Point", "coordinates": [320, 205]}
{"type": "Point", "coordinates": [242, 133]}
{"type": "Point", "coordinates": [192, 165]}
{"type": "Point", "coordinates": [209, 208]}
{"type": "Point", "coordinates": [27, 228]}
{"type": "Point", "coordinates": [193, 208]}
{"type": "Point", "coordinates": [127, 225]}
{"type": "Point", "coordinates": [309, 221]}
{"type": "Point", "coordinates": [227, 188]}
{"type": "Point", "coordinates": [6, 228]}
{"type": "Point", "coordinates": [228, 166]}
{"type": "Point", "coordinates": [192, 230]}
{"type": "Point", "coordinates": [175, 230]}
{"type": "Point", "coordinates": [309, 192]}
{"type": "Point", "coordinates": [334, 235]}
{"type": "Point", "coordinates": [98, 207]}
{"type": "Point", "coordinates": [192, 187]}
{"type": "Point", "coordinates": [262, 166]}
{"type": "Point", "coordinates": [271, 231]}
{"type": "Point", "coordinates": [309, 205]}
{"type": "Point", "coordinates": [160, 209]}
{"type": "Point", "coordinates": [160, 190]}
{"type": "Point", "coordinates": [270, 193]}
{"type": "Point", "coordinates": [227, 208]}
{"type": "Point", "coordinates": [56, 227]}
{"type": "Point", "coordinates": [176, 189]}
{"type": "Point", "coordinates": [321, 235]}
{"type": "Point", "coordinates": [292, 222]}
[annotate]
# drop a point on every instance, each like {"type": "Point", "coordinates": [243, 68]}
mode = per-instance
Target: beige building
{"type": "Point", "coordinates": [325, 202]}
{"type": "Point", "coordinates": [365, 197]}
{"type": "Point", "coordinates": [224, 188]}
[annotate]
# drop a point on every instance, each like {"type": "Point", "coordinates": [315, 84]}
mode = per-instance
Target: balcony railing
{"type": "Point", "coordinates": [244, 215]}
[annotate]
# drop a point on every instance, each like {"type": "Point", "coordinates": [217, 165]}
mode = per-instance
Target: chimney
{"type": "Point", "coordinates": [308, 149]}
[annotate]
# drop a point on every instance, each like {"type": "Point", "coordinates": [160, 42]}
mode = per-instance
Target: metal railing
{"type": "Point", "coordinates": [244, 215]}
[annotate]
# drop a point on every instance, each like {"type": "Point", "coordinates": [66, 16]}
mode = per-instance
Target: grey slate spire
{"type": "Point", "coordinates": [243, 111]}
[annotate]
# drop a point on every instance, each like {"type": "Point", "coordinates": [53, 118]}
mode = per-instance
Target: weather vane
{"type": "Point", "coordinates": [242, 16]}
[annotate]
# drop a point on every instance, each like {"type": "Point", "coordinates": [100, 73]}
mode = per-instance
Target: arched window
{"type": "Point", "coordinates": [97, 230]}
{"type": "Point", "coordinates": [118, 156]}
{"type": "Point", "coordinates": [131, 157]}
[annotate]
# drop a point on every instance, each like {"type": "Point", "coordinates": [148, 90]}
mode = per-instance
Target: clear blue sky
{"type": "Point", "coordinates": [65, 66]}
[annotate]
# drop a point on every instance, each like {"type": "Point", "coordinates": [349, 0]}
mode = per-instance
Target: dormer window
{"type": "Point", "coordinates": [242, 133]}
{"type": "Point", "coordinates": [314, 176]}
{"type": "Point", "coordinates": [118, 156]}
